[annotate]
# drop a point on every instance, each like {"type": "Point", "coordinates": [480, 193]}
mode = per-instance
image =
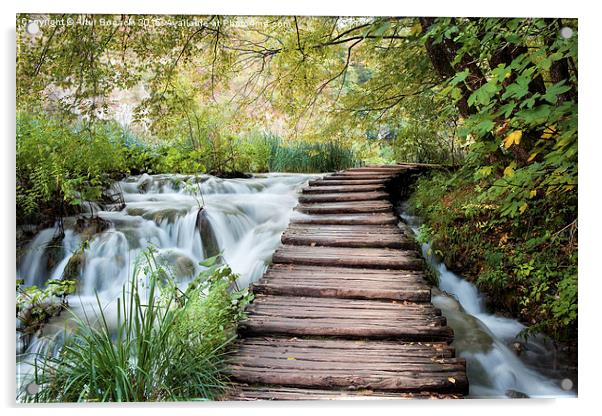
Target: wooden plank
{"type": "Point", "coordinates": [349, 257]}
{"type": "Point", "coordinates": [343, 189]}
{"type": "Point", "coordinates": [345, 318]}
{"type": "Point", "coordinates": [343, 197]}
{"type": "Point", "coordinates": [351, 176]}
{"type": "Point", "coordinates": [343, 275]}
{"type": "Point", "coordinates": [400, 292]}
{"type": "Point", "coordinates": [304, 364]}
{"type": "Point", "coordinates": [379, 169]}
{"type": "Point", "coordinates": [347, 236]}
{"type": "Point", "coordinates": [363, 207]}
{"type": "Point", "coordinates": [357, 219]}
{"type": "Point", "coordinates": [437, 349]}
{"type": "Point", "coordinates": [253, 393]}
{"type": "Point", "coordinates": [328, 181]}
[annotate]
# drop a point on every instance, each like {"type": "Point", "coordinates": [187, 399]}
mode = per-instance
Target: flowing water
{"type": "Point", "coordinates": [241, 218]}
{"type": "Point", "coordinates": [244, 219]}
{"type": "Point", "coordinates": [488, 341]}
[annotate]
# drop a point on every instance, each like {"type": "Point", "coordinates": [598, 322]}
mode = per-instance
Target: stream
{"type": "Point", "coordinates": [244, 219]}
{"type": "Point", "coordinates": [487, 341]}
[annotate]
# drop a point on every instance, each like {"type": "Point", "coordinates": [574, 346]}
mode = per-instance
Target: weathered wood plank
{"type": "Point", "coordinates": [363, 207]}
{"type": "Point", "coordinates": [343, 275]}
{"type": "Point", "coordinates": [245, 392]}
{"type": "Point", "coordinates": [329, 181]}
{"type": "Point", "coordinates": [415, 294]}
{"type": "Point", "coordinates": [302, 363]}
{"type": "Point", "coordinates": [343, 189]}
{"type": "Point", "coordinates": [349, 257]}
{"type": "Point", "coordinates": [343, 197]}
{"type": "Point", "coordinates": [346, 219]}
{"type": "Point", "coordinates": [345, 318]}
{"type": "Point", "coordinates": [347, 236]}
{"type": "Point", "coordinates": [378, 169]}
{"type": "Point", "coordinates": [341, 176]}
{"type": "Point", "coordinates": [432, 348]}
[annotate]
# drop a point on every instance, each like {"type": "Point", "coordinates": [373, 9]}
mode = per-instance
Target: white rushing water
{"type": "Point", "coordinates": [484, 340]}
{"type": "Point", "coordinates": [242, 218]}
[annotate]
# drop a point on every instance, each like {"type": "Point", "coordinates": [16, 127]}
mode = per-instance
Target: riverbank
{"type": "Point", "coordinates": [526, 265]}
{"type": "Point", "coordinates": [500, 363]}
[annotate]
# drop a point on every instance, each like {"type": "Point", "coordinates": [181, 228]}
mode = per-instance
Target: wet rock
{"type": "Point", "coordinates": [514, 394]}
{"type": "Point", "coordinates": [144, 183]}
{"type": "Point", "coordinates": [74, 267]}
{"type": "Point", "coordinates": [135, 212]}
{"type": "Point", "coordinates": [184, 267]}
{"type": "Point", "coordinates": [88, 227]}
{"type": "Point", "coordinates": [517, 347]}
{"type": "Point", "coordinates": [210, 245]}
{"type": "Point", "coordinates": [171, 214]}
{"type": "Point", "coordinates": [54, 252]}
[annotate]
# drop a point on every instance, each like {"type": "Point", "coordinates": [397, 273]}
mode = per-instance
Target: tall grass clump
{"type": "Point", "coordinates": [166, 344]}
{"type": "Point", "coordinates": [305, 157]}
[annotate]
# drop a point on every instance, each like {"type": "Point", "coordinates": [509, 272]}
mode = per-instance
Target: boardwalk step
{"type": "Point", "coordinates": [343, 189]}
{"type": "Point", "coordinates": [343, 197]}
{"type": "Point", "coordinates": [344, 283]}
{"type": "Point", "coordinates": [353, 176]}
{"type": "Point", "coordinates": [359, 219]}
{"type": "Point", "coordinates": [349, 257]}
{"type": "Point", "coordinates": [365, 207]}
{"type": "Point", "coordinates": [258, 392]}
{"type": "Point", "coordinates": [297, 316]}
{"type": "Point", "coordinates": [330, 181]}
{"type": "Point", "coordinates": [378, 169]}
{"type": "Point", "coordinates": [385, 236]}
{"type": "Point", "coordinates": [374, 365]}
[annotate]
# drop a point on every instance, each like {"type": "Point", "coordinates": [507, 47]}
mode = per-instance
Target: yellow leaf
{"type": "Point", "coordinates": [523, 207]}
{"type": "Point", "coordinates": [416, 29]}
{"type": "Point", "coordinates": [513, 138]}
{"type": "Point", "coordinates": [509, 171]}
{"type": "Point", "coordinates": [503, 239]}
{"type": "Point", "coordinates": [549, 132]}
{"type": "Point", "coordinates": [532, 156]}
{"type": "Point", "coordinates": [533, 193]}
{"type": "Point", "coordinates": [452, 380]}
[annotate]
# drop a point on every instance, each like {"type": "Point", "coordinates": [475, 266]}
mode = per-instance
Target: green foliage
{"type": "Point", "coordinates": [525, 267]}
{"type": "Point", "coordinates": [523, 126]}
{"type": "Point", "coordinates": [165, 344]}
{"type": "Point", "coordinates": [61, 165]}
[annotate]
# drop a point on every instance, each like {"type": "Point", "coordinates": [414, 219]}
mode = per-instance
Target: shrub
{"type": "Point", "coordinates": [166, 345]}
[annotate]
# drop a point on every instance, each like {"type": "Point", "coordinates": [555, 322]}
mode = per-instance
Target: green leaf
{"type": "Point", "coordinates": [555, 90]}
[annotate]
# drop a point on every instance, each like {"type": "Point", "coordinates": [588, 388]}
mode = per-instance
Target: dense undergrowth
{"type": "Point", "coordinates": [61, 165]}
{"type": "Point", "coordinates": [165, 344]}
{"type": "Point", "coordinates": [526, 264]}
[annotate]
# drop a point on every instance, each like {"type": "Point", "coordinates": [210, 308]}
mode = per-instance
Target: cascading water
{"type": "Point", "coordinates": [483, 339]}
{"type": "Point", "coordinates": [241, 218]}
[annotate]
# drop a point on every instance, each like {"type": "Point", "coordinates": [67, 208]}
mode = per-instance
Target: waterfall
{"type": "Point", "coordinates": [242, 218]}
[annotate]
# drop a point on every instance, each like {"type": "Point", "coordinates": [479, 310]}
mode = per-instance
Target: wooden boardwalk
{"type": "Point", "coordinates": [344, 311]}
